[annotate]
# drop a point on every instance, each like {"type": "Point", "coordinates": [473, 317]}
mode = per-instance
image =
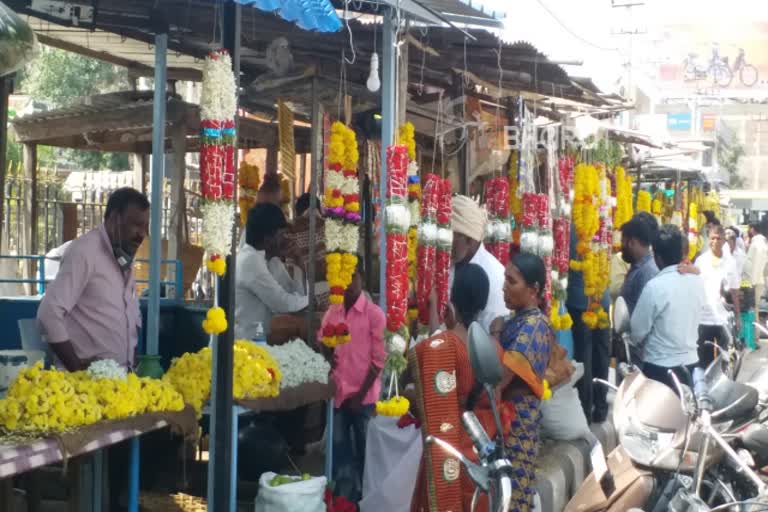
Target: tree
{"type": "Point", "coordinates": [58, 78]}
{"type": "Point", "coordinates": [729, 155]}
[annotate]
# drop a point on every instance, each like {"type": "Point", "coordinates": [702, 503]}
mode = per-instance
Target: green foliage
{"type": "Point", "coordinates": [58, 78]}
{"type": "Point", "coordinates": [729, 155]}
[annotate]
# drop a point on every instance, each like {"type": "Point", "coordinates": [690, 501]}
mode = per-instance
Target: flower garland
{"type": "Point", "coordinates": [335, 335]}
{"type": "Point", "coordinates": [256, 374]}
{"type": "Point", "coordinates": [407, 137]}
{"type": "Point", "coordinates": [49, 401]}
{"type": "Point", "coordinates": [427, 251]}
{"type": "Point", "coordinates": [693, 231]}
{"type": "Point", "coordinates": [591, 190]}
{"type": "Point", "coordinates": [536, 237]}
{"type": "Point", "coordinates": [218, 104]}
{"type": "Point", "coordinates": [444, 246]}
{"type": "Point", "coordinates": [248, 177]}
{"type": "Point", "coordinates": [561, 233]}
{"type": "Point", "coordinates": [499, 226]}
{"type": "Point", "coordinates": [342, 210]}
{"type": "Point", "coordinates": [397, 222]}
{"type": "Point", "coordinates": [644, 201]}
{"type": "Point", "coordinates": [515, 200]}
{"type": "Point", "coordinates": [623, 211]}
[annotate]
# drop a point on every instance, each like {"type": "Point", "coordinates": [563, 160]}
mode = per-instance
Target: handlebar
{"type": "Point", "coordinates": [483, 444]}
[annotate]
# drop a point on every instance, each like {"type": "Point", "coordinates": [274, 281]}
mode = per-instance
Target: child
{"type": "Point", "coordinates": [357, 367]}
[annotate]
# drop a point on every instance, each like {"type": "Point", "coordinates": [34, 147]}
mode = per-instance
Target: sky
{"type": "Point", "coordinates": [599, 35]}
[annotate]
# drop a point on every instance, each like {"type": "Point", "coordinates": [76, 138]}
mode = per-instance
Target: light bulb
{"type": "Point", "coordinates": [373, 82]}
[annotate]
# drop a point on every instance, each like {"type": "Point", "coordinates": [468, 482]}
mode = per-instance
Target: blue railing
{"type": "Point", "coordinates": [41, 281]}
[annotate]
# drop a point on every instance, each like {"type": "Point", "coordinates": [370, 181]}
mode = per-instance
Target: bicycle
{"type": "Point", "coordinates": [748, 74]}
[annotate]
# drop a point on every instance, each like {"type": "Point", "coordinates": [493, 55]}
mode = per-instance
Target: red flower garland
{"type": "Point", "coordinates": [497, 204]}
{"type": "Point", "coordinates": [397, 243]}
{"type": "Point", "coordinates": [212, 156]}
{"type": "Point", "coordinates": [562, 235]}
{"type": "Point", "coordinates": [427, 252]}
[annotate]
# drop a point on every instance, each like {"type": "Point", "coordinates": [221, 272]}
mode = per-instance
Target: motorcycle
{"type": "Point", "coordinates": [493, 476]}
{"type": "Point", "coordinates": [666, 449]}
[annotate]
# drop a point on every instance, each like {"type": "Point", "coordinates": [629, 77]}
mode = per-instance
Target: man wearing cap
{"type": "Point", "coordinates": [468, 222]}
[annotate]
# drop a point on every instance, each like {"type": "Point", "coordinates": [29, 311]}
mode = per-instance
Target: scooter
{"type": "Point", "coordinates": [660, 447]}
{"type": "Point", "coordinates": [493, 476]}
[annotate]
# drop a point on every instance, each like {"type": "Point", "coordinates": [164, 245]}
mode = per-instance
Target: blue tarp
{"type": "Point", "coordinates": [317, 15]}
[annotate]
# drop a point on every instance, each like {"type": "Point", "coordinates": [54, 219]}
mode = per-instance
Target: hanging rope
{"type": "Point", "coordinates": [349, 30]}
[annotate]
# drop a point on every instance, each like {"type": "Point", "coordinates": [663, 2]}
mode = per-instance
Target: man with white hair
{"type": "Point", "coordinates": [468, 221]}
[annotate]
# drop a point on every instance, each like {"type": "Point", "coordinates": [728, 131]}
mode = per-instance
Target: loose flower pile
{"type": "Point", "coordinates": [46, 401]}
{"type": "Point", "coordinates": [256, 374]}
{"type": "Point", "coordinates": [300, 364]}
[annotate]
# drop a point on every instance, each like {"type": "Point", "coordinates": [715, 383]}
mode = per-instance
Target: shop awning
{"type": "Point", "coordinates": [485, 13]}
{"type": "Point", "coordinates": [17, 41]}
{"type": "Point", "coordinates": [315, 15]}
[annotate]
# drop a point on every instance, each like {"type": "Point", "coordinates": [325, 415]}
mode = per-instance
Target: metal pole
{"type": "Point", "coordinates": [388, 119]}
{"type": "Point", "coordinates": [156, 193]}
{"type": "Point", "coordinates": [314, 175]}
{"type": "Point", "coordinates": [5, 91]}
{"type": "Point", "coordinates": [223, 416]}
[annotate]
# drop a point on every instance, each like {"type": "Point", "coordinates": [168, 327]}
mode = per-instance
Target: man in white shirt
{"type": "Point", "coordinates": [666, 319]}
{"type": "Point", "coordinates": [719, 272]}
{"type": "Point", "coordinates": [259, 294]}
{"type": "Point", "coordinates": [468, 222]}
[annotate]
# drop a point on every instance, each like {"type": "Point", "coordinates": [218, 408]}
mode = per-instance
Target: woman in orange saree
{"type": "Point", "coordinates": [446, 387]}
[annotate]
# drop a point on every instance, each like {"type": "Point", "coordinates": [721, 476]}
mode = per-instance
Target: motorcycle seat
{"type": "Point", "coordinates": [739, 399]}
{"type": "Point", "coordinates": [755, 439]}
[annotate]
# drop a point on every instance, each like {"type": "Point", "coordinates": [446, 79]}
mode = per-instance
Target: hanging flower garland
{"type": "Point", "coordinates": [623, 211]}
{"type": "Point", "coordinates": [407, 137]}
{"type": "Point", "coordinates": [444, 246]}
{"type": "Point", "coordinates": [499, 226]}
{"type": "Point", "coordinates": [515, 200]}
{"type": "Point", "coordinates": [586, 221]}
{"type": "Point", "coordinates": [561, 232]}
{"type": "Point", "coordinates": [644, 201]}
{"type": "Point", "coordinates": [341, 204]}
{"type": "Point", "coordinates": [427, 251]}
{"type": "Point", "coordinates": [248, 177]}
{"type": "Point", "coordinates": [397, 222]}
{"type": "Point", "coordinates": [218, 103]}
{"type": "Point", "coordinates": [693, 230]}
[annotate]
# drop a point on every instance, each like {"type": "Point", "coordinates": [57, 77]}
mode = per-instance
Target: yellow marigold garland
{"type": "Point", "coordinates": [248, 176]}
{"type": "Point", "coordinates": [623, 211]}
{"type": "Point", "coordinates": [644, 201]}
{"type": "Point", "coordinates": [515, 198]}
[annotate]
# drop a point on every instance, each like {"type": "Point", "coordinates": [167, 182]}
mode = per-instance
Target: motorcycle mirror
{"type": "Point", "coordinates": [484, 356]}
{"type": "Point", "coordinates": [620, 316]}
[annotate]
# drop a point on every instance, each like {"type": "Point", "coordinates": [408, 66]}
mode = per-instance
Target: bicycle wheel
{"type": "Point", "coordinates": [748, 75]}
{"type": "Point", "coordinates": [722, 76]}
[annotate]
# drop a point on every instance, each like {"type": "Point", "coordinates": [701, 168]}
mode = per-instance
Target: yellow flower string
{"type": "Point", "coordinates": [644, 201]}
{"type": "Point", "coordinates": [215, 321]}
{"type": "Point", "coordinates": [249, 179]}
{"type": "Point", "coordinates": [515, 200]}
{"type": "Point", "coordinates": [395, 406]}
{"type": "Point", "coordinates": [623, 211]}
{"type": "Point", "coordinates": [407, 137]}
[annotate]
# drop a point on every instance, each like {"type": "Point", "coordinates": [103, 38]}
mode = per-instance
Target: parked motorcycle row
{"type": "Point", "coordinates": [690, 450]}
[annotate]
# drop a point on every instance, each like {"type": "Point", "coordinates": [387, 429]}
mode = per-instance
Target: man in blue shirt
{"type": "Point", "coordinates": [636, 238]}
{"type": "Point", "coordinates": [665, 322]}
{"type": "Point", "coordinates": [590, 347]}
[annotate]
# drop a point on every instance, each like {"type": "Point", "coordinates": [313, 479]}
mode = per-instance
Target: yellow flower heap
{"type": "Point", "coordinates": [342, 209]}
{"type": "Point", "coordinates": [248, 176]}
{"type": "Point", "coordinates": [407, 137]}
{"type": "Point", "coordinates": [256, 374]}
{"type": "Point", "coordinates": [45, 401]}
{"type": "Point", "coordinates": [623, 211]}
{"type": "Point", "coordinates": [593, 259]}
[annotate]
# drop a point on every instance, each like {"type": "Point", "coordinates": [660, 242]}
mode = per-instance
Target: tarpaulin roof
{"type": "Point", "coordinates": [317, 15]}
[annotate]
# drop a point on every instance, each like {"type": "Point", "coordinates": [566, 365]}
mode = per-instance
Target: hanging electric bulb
{"type": "Point", "coordinates": [373, 82]}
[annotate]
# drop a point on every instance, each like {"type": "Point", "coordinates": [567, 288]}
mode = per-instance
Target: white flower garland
{"type": "Point", "coordinates": [299, 364]}
{"type": "Point", "coordinates": [218, 220]}
{"type": "Point", "coordinates": [106, 369]}
{"type": "Point", "coordinates": [341, 237]}
{"type": "Point", "coordinates": [218, 95]}
{"type": "Point", "coordinates": [396, 344]}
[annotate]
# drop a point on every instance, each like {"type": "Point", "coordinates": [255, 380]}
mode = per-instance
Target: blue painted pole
{"type": "Point", "coordinates": [156, 193]}
{"type": "Point", "coordinates": [133, 482]}
{"type": "Point", "coordinates": [388, 120]}
{"type": "Point", "coordinates": [329, 441]}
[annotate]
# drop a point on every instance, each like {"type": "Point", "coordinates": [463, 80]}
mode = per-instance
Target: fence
{"type": "Point", "coordinates": [64, 214]}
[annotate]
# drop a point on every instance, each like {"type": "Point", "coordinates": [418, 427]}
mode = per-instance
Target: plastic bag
{"type": "Point", "coordinates": [17, 41]}
{"type": "Point", "coordinates": [307, 495]}
{"type": "Point", "coordinates": [562, 417]}
{"type": "Point", "coordinates": [392, 457]}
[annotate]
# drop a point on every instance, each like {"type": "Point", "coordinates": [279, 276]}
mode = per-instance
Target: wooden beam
{"type": "Point", "coordinates": [135, 69]}
{"type": "Point", "coordinates": [30, 210]}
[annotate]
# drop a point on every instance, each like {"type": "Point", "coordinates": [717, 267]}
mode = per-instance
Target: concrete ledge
{"type": "Point", "coordinates": [563, 465]}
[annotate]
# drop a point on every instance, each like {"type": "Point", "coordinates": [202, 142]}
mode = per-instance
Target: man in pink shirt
{"type": "Point", "coordinates": [356, 371]}
{"type": "Point", "coordinates": [90, 311]}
